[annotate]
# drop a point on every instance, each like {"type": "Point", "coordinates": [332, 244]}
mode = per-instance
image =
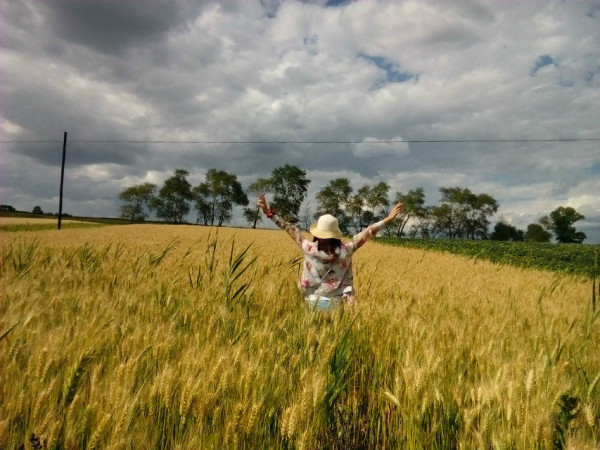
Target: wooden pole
{"type": "Point", "coordinates": [62, 179]}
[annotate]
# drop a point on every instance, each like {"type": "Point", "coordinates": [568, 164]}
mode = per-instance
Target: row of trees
{"type": "Point", "coordinates": [36, 210]}
{"type": "Point", "coordinates": [214, 198]}
{"type": "Point", "coordinates": [558, 223]}
{"type": "Point", "coordinates": [460, 212]}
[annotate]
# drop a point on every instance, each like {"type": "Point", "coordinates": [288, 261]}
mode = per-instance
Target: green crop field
{"type": "Point", "coordinates": [573, 259]}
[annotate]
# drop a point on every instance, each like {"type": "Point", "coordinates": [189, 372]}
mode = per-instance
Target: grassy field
{"type": "Point", "coordinates": [148, 336]}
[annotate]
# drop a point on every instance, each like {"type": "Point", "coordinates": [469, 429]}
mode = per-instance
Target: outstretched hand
{"type": "Point", "coordinates": [397, 209]}
{"type": "Point", "coordinates": [262, 203]}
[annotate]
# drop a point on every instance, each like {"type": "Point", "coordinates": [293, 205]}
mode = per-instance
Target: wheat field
{"type": "Point", "coordinates": [31, 221]}
{"type": "Point", "coordinates": [160, 337]}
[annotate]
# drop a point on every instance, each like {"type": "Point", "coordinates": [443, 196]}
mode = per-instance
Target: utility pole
{"type": "Point", "coordinates": [62, 179]}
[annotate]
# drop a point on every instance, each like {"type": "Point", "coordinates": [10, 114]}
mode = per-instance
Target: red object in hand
{"type": "Point", "coordinates": [270, 213]}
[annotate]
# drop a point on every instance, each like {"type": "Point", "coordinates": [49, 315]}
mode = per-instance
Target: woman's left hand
{"type": "Point", "coordinates": [262, 203]}
{"type": "Point", "coordinates": [397, 209]}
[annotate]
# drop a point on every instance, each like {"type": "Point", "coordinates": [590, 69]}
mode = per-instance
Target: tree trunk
{"type": "Point", "coordinates": [256, 216]}
{"type": "Point", "coordinates": [212, 217]}
{"type": "Point", "coordinates": [402, 225]}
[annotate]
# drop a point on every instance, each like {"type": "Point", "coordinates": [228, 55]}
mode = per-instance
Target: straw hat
{"type": "Point", "coordinates": [327, 227]}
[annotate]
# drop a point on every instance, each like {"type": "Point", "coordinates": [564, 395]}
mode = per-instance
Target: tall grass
{"type": "Point", "coordinates": [182, 337]}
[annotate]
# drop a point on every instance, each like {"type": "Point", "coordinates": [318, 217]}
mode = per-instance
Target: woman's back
{"type": "Point", "coordinates": [327, 265]}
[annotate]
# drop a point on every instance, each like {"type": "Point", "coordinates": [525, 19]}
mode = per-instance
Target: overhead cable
{"type": "Point", "coordinates": [379, 141]}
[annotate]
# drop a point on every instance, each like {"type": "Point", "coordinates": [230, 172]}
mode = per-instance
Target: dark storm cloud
{"type": "Point", "coordinates": [45, 114]}
{"type": "Point", "coordinates": [292, 71]}
{"type": "Point", "coordinates": [80, 154]}
{"type": "Point", "coordinates": [114, 26]}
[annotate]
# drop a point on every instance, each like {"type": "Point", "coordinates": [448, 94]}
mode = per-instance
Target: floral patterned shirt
{"type": "Point", "coordinates": [323, 274]}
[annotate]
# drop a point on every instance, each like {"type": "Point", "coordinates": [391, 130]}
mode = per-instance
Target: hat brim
{"type": "Point", "coordinates": [325, 234]}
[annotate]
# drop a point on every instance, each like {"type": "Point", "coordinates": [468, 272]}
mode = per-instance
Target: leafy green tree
{"type": "Point", "coordinates": [253, 214]}
{"type": "Point", "coordinates": [171, 204]}
{"type": "Point", "coordinates": [414, 207]}
{"type": "Point", "coordinates": [333, 199]}
{"type": "Point", "coordinates": [202, 205]}
{"type": "Point", "coordinates": [138, 198]}
{"type": "Point", "coordinates": [480, 208]}
{"type": "Point", "coordinates": [215, 197]}
{"type": "Point", "coordinates": [462, 213]}
{"type": "Point", "coordinates": [536, 233]}
{"type": "Point", "coordinates": [306, 216]}
{"type": "Point", "coordinates": [423, 223]}
{"type": "Point", "coordinates": [561, 222]}
{"type": "Point", "coordinates": [444, 221]}
{"type": "Point", "coordinates": [289, 185]}
{"type": "Point", "coordinates": [378, 200]}
{"type": "Point", "coordinates": [356, 208]}
{"type": "Point", "coordinates": [368, 205]}
{"type": "Point", "coordinates": [37, 210]}
{"type": "Point", "coordinates": [506, 232]}
{"type": "Point", "coordinates": [450, 215]}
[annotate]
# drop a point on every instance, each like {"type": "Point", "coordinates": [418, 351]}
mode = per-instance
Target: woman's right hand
{"type": "Point", "coordinates": [262, 203]}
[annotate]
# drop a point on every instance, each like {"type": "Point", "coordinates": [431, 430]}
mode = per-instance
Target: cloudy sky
{"type": "Point", "coordinates": [362, 71]}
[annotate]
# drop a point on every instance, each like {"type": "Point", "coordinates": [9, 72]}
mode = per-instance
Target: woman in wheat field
{"type": "Point", "coordinates": [326, 280]}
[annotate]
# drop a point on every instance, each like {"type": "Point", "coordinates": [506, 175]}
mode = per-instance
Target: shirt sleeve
{"type": "Point", "coordinates": [289, 229]}
{"type": "Point", "coordinates": [359, 239]}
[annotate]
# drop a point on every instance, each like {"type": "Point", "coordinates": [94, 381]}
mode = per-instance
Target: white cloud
{"type": "Point", "coordinates": [10, 129]}
{"type": "Point", "coordinates": [295, 71]}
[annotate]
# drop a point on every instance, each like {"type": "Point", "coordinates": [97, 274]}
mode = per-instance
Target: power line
{"type": "Point", "coordinates": [382, 141]}
{"type": "Point", "coordinates": [29, 142]}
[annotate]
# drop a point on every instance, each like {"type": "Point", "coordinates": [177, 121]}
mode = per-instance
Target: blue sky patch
{"type": "Point", "coordinates": [542, 61]}
{"type": "Point", "coordinates": [589, 77]}
{"type": "Point", "coordinates": [392, 75]}
{"type": "Point", "coordinates": [270, 7]}
{"type": "Point", "coordinates": [334, 3]}
{"type": "Point", "coordinates": [594, 169]}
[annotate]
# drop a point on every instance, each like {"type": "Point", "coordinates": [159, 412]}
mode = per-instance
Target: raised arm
{"type": "Point", "coordinates": [285, 226]}
{"type": "Point", "coordinates": [359, 239]}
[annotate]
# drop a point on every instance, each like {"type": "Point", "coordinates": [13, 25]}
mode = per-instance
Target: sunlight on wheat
{"type": "Point", "coordinates": [148, 336]}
